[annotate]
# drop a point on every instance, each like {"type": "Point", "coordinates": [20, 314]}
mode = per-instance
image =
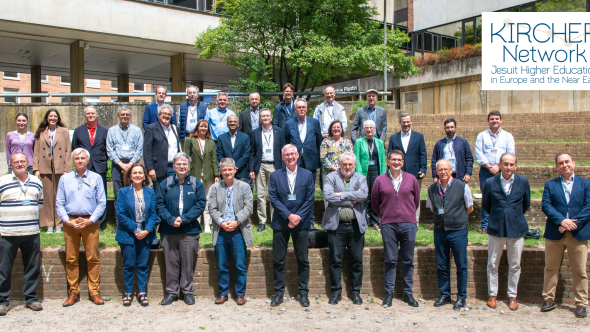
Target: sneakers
{"type": "Point", "coordinates": [58, 230]}
{"type": "Point", "coordinates": [49, 230]}
{"type": "Point", "coordinates": [207, 229]}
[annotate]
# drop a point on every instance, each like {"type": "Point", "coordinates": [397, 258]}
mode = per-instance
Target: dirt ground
{"type": "Point", "coordinates": [257, 315]}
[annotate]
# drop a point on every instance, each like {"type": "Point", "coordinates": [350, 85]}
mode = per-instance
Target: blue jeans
{"type": "Point", "coordinates": [405, 234]}
{"type": "Point", "coordinates": [231, 242]}
{"type": "Point", "coordinates": [484, 174]}
{"type": "Point", "coordinates": [457, 242]}
{"type": "Point", "coordinates": [137, 254]}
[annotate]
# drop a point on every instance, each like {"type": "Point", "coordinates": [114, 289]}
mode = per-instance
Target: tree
{"type": "Point", "coordinates": [304, 42]}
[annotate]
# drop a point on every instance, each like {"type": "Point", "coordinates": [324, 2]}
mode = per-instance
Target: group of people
{"type": "Point", "coordinates": [205, 168]}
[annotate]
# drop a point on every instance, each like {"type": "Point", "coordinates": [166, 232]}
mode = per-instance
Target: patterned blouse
{"type": "Point", "coordinates": [331, 150]}
{"type": "Point", "coordinates": [139, 211]}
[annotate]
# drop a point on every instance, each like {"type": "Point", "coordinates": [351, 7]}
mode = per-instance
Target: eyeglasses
{"type": "Point", "coordinates": [290, 154]}
{"type": "Point", "coordinates": [18, 162]}
{"type": "Point", "coordinates": [396, 159]}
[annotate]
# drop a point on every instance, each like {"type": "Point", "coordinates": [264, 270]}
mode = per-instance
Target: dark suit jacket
{"type": "Point", "coordinates": [463, 157]}
{"type": "Point", "coordinates": [155, 148]}
{"type": "Point", "coordinates": [507, 212]}
{"type": "Point", "coordinates": [309, 151]}
{"type": "Point", "coordinates": [240, 152]}
{"type": "Point", "coordinates": [126, 215]}
{"type": "Point", "coordinates": [256, 140]}
{"type": "Point", "coordinates": [555, 208]}
{"type": "Point", "coordinates": [98, 150]}
{"type": "Point", "coordinates": [150, 115]}
{"type": "Point", "coordinates": [415, 157]}
{"type": "Point", "coordinates": [182, 112]}
{"type": "Point", "coordinates": [361, 116]}
{"type": "Point", "coordinates": [245, 122]}
{"type": "Point", "coordinates": [282, 114]}
{"type": "Point", "coordinates": [278, 190]}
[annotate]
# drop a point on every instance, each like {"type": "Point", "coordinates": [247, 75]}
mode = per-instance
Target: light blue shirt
{"type": "Point", "coordinates": [80, 195]}
{"type": "Point", "coordinates": [254, 118]}
{"type": "Point", "coordinates": [449, 152]}
{"type": "Point", "coordinates": [218, 121]}
{"type": "Point", "coordinates": [125, 143]}
{"type": "Point", "coordinates": [489, 148]}
{"type": "Point", "coordinates": [228, 214]}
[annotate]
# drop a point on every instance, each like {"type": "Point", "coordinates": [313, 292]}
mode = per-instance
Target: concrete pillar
{"type": "Point", "coordinates": [36, 83]}
{"type": "Point", "coordinates": [77, 69]}
{"type": "Point", "coordinates": [178, 75]}
{"type": "Point", "coordinates": [123, 87]}
{"type": "Point", "coordinates": [199, 84]}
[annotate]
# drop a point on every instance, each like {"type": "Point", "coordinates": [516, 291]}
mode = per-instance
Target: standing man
{"type": "Point", "coordinates": [152, 111]}
{"type": "Point", "coordinates": [250, 118]}
{"type": "Point", "coordinates": [230, 205]}
{"type": "Point", "coordinates": [217, 117]}
{"type": "Point", "coordinates": [190, 112]}
{"type": "Point", "coordinates": [489, 146]}
{"type": "Point", "coordinates": [456, 150]}
{"type": "Point", "coordinates": [81, 201]}
{"type": "Point", "coordinates": [395, 197]}
{"type": "Point", "coordinates": [93, 137]}
{"type": "Point", "coordinates": [566, 203]}
{"type": "Point", "coordinates": [370, 112]}
{"type": "Point", "coordinates": [291, 190]}
{"type": "Point", "coordinates": [180, 201]}
{"type": "Point", "coordinates": [345, 191]}
{"type": "Point", "coordinates": [21, 199]}
{"type": "Point", "coordinates": [285, 110]}
{"type": "Point", "coordinates": [235, 145]}
{"type": "Point", "coordinates": [266, 143]}
{"type": "Point", "coordinates": [411, 143]}
{"type": "Point", "coordinates": [450, 201]}
{"type": "Point", "coordinates": [506, 198]}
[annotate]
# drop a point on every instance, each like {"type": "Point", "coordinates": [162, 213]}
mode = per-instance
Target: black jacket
{"type": "Point", "coordinates": [256, 147]}
{"type": "Point", "coordinates": [98, 150]}
{"type": "Point", "coordinates": [245, 122]}
{"type": "Point", "coordinates": [506, 212]}
{"type": "Point", "coordinates": [155, 148]}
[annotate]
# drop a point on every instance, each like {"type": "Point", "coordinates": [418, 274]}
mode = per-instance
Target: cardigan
{"type": "Point", "coordinates": [361, 151]}
{"type": "Point", "coordinates": [395, 207]}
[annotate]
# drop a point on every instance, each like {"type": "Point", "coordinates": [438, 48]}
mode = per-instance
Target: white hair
{"type": "Point", "coordinates": [80, 150]}
{"type": "Point", "coordinates": [87, 107]}
{"type": "Point", "coordinates": [169, 107]}
{"type": "Point", "coordinates": [227, 162]}
{"type": "Point", "coordinates": [288, 146]}
{"type": "Point", "coordinates": [440, 161]}
{"type": "Point", "coordinates": [181, 155]}
{"type": "Point", "coordinates": [369, 123]}
{"type": "Point", "coordinates": [347, 155]}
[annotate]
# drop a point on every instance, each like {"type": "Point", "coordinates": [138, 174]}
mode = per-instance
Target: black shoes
{"type": "Point", "coordinates": [442, 300]}
{"type": "Point", "coordinates": [409, 299]}
{"type": "Point", "coordinates": [356, 298]}
{"type": "Point", "coordinates": [548, 305]}
{"type": "Point", "coordinates": [459, 304]}
{"type": "Point", "coordinates": [303, 300]}
{"type": "Point", "coordinates": [580, 311]}
{"type": "Point", "coordinates": [335, 298]}
{"type": "Point", "coordinates": [261, 227]}
{"type": "Point", "coordinates": [277, 300]}
{"type": "Point", "coordinates": [387, 301]}
{"type": "Point", "coordinates": [189, 299]}
{"type": "Point", "coordinates": [168, 299]}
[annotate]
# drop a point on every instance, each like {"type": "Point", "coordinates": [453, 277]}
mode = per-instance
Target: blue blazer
{"type": "Point", "coordinates": [256, 139]}
{"type": "Point", "coordinates": [98, 150]}
{"type": "Point", "coordinates": [126, 215]}
{"type": "Point", "coordinates": [150, 115]}
{"type": "Point", "coordinates": [282, 114]}
{"type": "Point", "coordinates": [201, 111]}
{"type": "Point", "coordinates": [507, 212]}
{"type": "Point", "coordinates": [309, 150]}
{"type": "Point", "coordinates": [240, 152]}
{"type": "Point", "coordinates": [415, 157]}
{"type": "Point", "coordinates": [278, 190]}
{"type": "Point", "coordinates": [555, 208]}
{"type": "Point", "coordinates": [463, 157]}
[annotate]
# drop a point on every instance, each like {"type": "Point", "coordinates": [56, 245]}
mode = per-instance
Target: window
{"type": "Point", "coordinates": [139, 87]}
{"type": "Point", "coordinates": [92, 99]}
{"type": "Point", "coordinates": [95, 84]}
{"type": "Point", "coordinates": [114, 85]}
{"type": "Point", "coordinates": [44, 79]}
{"type": "Point", "coordinates": [10, 99]}
{"type": "Point", "coordinates": [9, 75]}
{"type": "Point", "coordinates": [411, 97]}
{"type": "Point", "coordinates": [114, 99]}
{"type": "Point", "coordinates": [66, 99]}
{"type": "Point", "coordinates": [65, 80]}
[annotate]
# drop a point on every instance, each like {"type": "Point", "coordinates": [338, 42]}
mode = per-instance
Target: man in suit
{"type": "Point", "coordinates": [411, 143]}
{"type": "Point", "coordinates": [566, 203]}
{"type": "Point", "coordinates": [285, 110]}
{"type": "Point", "coordinates": [454, 149]}
{"type": "Point", "coordinates": [345, 191]}
{"type": "Point", "coordinates": [291, 190]}
{"type": "Point", "coordinates": [93, 137]}
{"type": "Point", "coordinates": [266, 143]}
{"type": "Point", "coordinates": [235, 145]}
{"type": "Point", "coordinates": [370, 112]}
{"type": "Point", "coordinates": [250, 118]}
{"type": "Point", "coordinates": [152, 111]}
{"type": "Point", "coordinates": [506, 197]}
{"type": "Point", "coordinates": [190, 112]}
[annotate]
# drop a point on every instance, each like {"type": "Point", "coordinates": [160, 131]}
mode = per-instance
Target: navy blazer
{"type": "Point", "coordinates": [415, 157]}
{"type": "Point", "coordinates": [126, 215]}
{"type": "Point", "coordinates": [278, 191]}
{"type": "Point", "coordinates": [463, 157]}
{"type": "Point", "coordinates": [182, 112]}
{"type": "Point", "coordinates": [309, 151]}
{"type": "Point", "coordinates": [256, 140]}
{"type": "Point", "coordinates": [150, 115]}
{"type": "Point", "coordinates": [555, 208]}
{"type": "Point", "coordinates": [282, 114]}
{"type": "Point", "coordinates": [240, 152]}
{"type": "Point", "coordinates": [155, 148]}
{"type": "Point", "coordinates": [98, 150]}
{"type": "Point", "coordinates": [193, 206]}
{"type": "Point", "coordinates": [507, 212]}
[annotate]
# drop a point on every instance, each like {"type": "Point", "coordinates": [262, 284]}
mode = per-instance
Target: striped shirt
{"type": "Point", "coordinates": [20, 204]}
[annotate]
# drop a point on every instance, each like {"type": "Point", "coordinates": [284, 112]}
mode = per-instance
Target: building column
{"type": "Point", "coordinates": [178, 75]}
{"type": "Point", "coordinates": [123, 87]}
{"type": "Point", "coordinates": [199, 84]}
{"type": "Point", "coordinates": [36, 83]}
{"type": "Point", "coordinates": [77, 69]}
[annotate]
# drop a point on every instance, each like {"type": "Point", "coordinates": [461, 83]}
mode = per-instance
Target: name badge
{"type": "Point", "coordinates": [494, 151]}
{"type": "Point", "coordinates": [169, 146]}
{"type": "Point", "coordinates": [292, 197]}
{"type": "Point", "coordinates": [268, 151]}
{"type": "Point", "coordinates": [27, 202]}
{"type": "Point", "coordinates": [229, 216]}
{"type": "Point", "coordinates": [125, 147]}
{"type": "Point", "coordinates": [452, 162]}
{"type": "Point", "coordinates": [441, 211]}
{"type": "Point", "coordinates": [193, 120]}
{"type": "Point", "coordinates": [371, 162]}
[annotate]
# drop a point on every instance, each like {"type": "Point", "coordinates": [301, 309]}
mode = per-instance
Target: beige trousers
{"type": "Point", "coordinates": [206, 217]}
{"type": "Point", "coordinates": [262, 180]}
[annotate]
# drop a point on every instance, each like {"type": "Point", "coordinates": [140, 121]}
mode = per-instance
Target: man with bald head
{"type": "Point", "coordinates": [450, 201]}
{"type": "Point", "coordinates": [250, 118]}
{"type": "Point", "coordinates": [235, 145]}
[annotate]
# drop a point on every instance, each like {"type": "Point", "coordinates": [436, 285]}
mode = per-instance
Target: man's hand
{"type": "Point", "coordinates": [569, 224]}
{"type": "Point", "coordinates": [141, 235]}
{"type": "Point", "coordinates": [421, 175]}
{"type": "Point", "coordinates": [325, 135]}
{"type": "Point", "coordinates": [177, 222]}
{"type": "Point", "coordinates": [37, 173]}
{"type": "Point", "coordinates": [229, 226]}
{"type": "Point", "coordinates": [334, 169]}
{"type": "Point", "coordinates": [152, 174]}
{"type": "Point", "coordinates": [294, 220]}
{"type": "Point", "coordinates": [466, 178]}
{"type": "Point", "coordinates": [216, 179]}
{"type": "Point", "coordinates": [494, 170]}
{"type": "Point", "coordinates": [72, 222]}
{"type": "Point", "coordinates": [252, 175]}
{"type": "Point", "coordinates": [82, 223]}
{"type": "Point", "coordinates": [435, 180]}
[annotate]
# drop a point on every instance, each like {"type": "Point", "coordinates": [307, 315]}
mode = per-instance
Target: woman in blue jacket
{"type": "Point", "coordinates": [136, 212]}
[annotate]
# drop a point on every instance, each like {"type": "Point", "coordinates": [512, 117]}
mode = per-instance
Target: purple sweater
{"type": "Point", "coordinates": [395, 207]}
{"type": "Point", "coordinates": [13, 146]}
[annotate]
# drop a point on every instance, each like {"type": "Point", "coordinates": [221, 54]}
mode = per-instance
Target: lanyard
{"type": "Point", "coordinates": [92, 136]}
{"type": "Point", "coordinates": [221, 116]}
{"type": "Point", "coordinates": [202, 147]}
{"type": "Point", "coordinates": [228, 200]}
{"type": "Point", "coordinates": [193, 110]}
{"type": "Point", "coordinates": [80, 180]}
{"type": "Point", "coordinates": [267, 138]}
{"type": "Point", "coordinates": [22, 141]}
{"type": "Point", "coordinates": [25, 185]}
{"type": "Point", "coordinates": [441, 191]}
{"type": "Point", "coordinates": [371, 149]}
{"type": "Point", "coordinates": [289, 107]}
{"type": "Point", "coordinates": [494, 138]}
{"type": "Point", "coordinates": [292, 182]}
{"type": "Point", "coordinates": [330, 112]}
{"type": "Point", "coordinates": [122, 131]}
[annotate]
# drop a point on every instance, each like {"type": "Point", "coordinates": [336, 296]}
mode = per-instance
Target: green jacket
{"type": "Point", "coordinates": [207, 162]}
{"type": "Point", "coordinates": [361, 151]}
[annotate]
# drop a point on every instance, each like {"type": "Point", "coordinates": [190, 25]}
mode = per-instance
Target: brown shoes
{"type": "Point", "coordinates": [512, 304]}
{"type": "Point", "coordinates": [492, 302]}
{"type": "Point", "coordinates": [35, 306]}
{"type": "Point", "coordinates": [580, 311]}
{"type": "Point", "coordinates": [97, 299]}
{"type": "Point", "coordinates": [241, 300]}
{"type": "Point", "coordinates": [221, 299]}
{"type": "Point", "coordinates": [548, 305]}
{"type": "Point", "coordinates": [72, 299]}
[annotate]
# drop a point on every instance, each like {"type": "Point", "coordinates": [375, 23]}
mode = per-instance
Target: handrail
{"type": "Point", "coordinates": [24, 95]}
{"type": "Point", "coordinates": [171, 94]}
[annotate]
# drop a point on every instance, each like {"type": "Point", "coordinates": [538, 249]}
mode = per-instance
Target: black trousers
{"type": "Point", "coordinates": [30, 246]}
{"type": "Point", "coordinates": [117, 176]}
{"type": "Point", "coordinates": [372, 216]}
{"type": "Point", "coordinates": [314, 173]}
{"type": "Point", "coordinates": [346, 236]}
{"type": "Point", "coordinates": [280, 241]}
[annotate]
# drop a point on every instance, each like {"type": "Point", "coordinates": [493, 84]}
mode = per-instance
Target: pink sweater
{"type": "Point", "coordinates": [395, 207]}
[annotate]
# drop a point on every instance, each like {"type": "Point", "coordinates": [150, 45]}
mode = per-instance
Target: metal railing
{"type": "Point", "coordinates": [172, 94]}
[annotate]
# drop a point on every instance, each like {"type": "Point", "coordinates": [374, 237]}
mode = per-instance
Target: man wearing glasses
{"type": "Point", "coordinates": [370, 112]}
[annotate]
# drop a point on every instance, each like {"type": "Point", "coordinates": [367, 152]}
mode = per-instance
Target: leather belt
{"type": "Point", "coordinates": [76, 216]}
{"type": "Point", "coordinates": [267, 162]}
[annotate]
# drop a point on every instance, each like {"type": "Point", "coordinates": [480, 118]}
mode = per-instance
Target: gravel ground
{"type": "Point", "coordinates": [257, 315]}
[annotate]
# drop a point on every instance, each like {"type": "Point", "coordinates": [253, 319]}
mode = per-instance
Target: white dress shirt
{"type": "Point", "coordinates": [233, 138]}
{"type": "Point", "coordinates": [489, 148]}
{"type": "Point", "coordinates": [172, 142]}
{"type": "Point", "coordinates": [406, 140]}
{"type": "Point", "coordinates": [397, 182]}
{"type": "Point", "coordinates": [267, 144]}
{"type": "Point", "coordinates": [302, 127]}
{"type": "Point", "coordinates": [191, 118]}
{"type": "Point", "coordinates": [291, 177]}
{"type": "Point", "coordinates": [507, 184]}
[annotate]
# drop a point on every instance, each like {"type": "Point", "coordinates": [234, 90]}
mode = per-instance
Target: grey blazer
{"type": "Point", "coordinates": [242, 198]}
{"type": "Point", "coordinates": [357, 130]}
{"type": "Point", "coordinates": [358, 191]}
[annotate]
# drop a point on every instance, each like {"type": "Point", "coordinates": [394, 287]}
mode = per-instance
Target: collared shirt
{"type": "Point", "coordinates": [329, 116]}
{"type": "Point", "coordinates": [467, 198]}
{"type": "Point", "coordinates": [92, 132]}
{"type": "Point", "coordinates": [567, 188]}
{"type": "Point", "coordinates": [232, 137]}
{"type": "Point", "coordinates": [397, 182]}
{"type": "Point", "coordinates": [51, 138]}
{"type": "Point", "coordinates": [20, 204]}
{"type": "Point", "coordinates": [217, 120]}
{"type": "Point", "coordinates": [228, 211]}
{"type": "Point", "coordinates": [291, 177]}
{"type": "Point", "coordinates": [80, 195]}
{"type": "Point", "coordinates": [449, 151]}
{"type": "Point", "coordinates": [372, 115]}
{"type": "Point", "coordinates": [267, 144]}
{"type": "Point", "coordinates": [254, 118]}
{"type": "Point", "coordinates": [180, 198]}
{"type": "Point", "coordinates": [172, 141]}
{"type": "Point", "coordinates": [489, 148]}
{"type": "Point", "coordinates": [192, 116]}
{"type": "Point", "coordinates": [507, 184]}
{"type": "Point", "coordinates": [406, 139]}
{"type": "Point", "coordinates": [125, 143]}
{"type": "Point", "coordinates": [302, 127]}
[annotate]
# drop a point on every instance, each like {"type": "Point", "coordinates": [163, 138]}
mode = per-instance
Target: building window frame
{"type": "Point", "coordinates": [12, 78]}
{"type": "Point", "coordinates": [10, 99]}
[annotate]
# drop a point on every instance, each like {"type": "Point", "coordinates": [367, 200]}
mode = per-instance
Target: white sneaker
{"type": "Point", "coordinates": [49, 230]}
{"type": "Point", "coordinates": [207, 229]}
{"type": "Point", "coordinates": [58, 230]}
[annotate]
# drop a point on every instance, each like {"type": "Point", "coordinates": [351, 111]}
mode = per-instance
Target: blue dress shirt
{"type": "Point", "coordinates": [217, 120]}
{"type": "Point", "coordinates": [489, 148]}
{"type": "Point", "coordinates": [80, 195]}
